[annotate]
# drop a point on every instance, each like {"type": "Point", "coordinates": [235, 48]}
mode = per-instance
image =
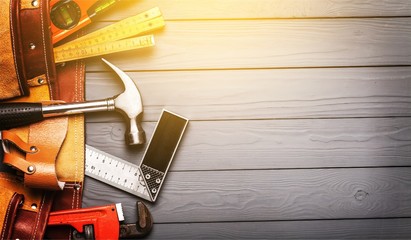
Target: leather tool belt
{"type": "Point", "coordinates": [45, 161]}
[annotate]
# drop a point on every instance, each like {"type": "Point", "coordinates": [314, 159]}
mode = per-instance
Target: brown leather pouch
{"type": "Point", "coordinates": [25, 210]}
{"type": "Point", "coordinates": [34, 59]}
{"type": "Point", "coordinates": [11, 83]}
{"type": "Point", "coordinates": [26, 47]}
{"type": "Point", "coordinates": [27, 64]}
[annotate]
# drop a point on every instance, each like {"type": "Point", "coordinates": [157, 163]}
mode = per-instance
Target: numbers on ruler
{"type": "Point", "coordinates": [106, 48]}
{"type": "Point", "coordinates": [115, 172]}
{"type": "Point", "coordinates": [148, 21]}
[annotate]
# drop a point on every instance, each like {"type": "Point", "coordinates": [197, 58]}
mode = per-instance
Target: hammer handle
{"type": "Point", "coordinates": [24, 113]}
{"type": "Point", "coordinates": [19, 114]}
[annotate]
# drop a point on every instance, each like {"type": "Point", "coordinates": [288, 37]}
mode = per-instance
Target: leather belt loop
{"type": "Point", "coordinates": [15, 158]}
{"type": "Point", "coordinates": [47, 137]}
{"type": "Point", "coordinates": [37, 81]}
{"type": "Point", "coordinates": [37, 159]}
{"type": "Point", "coordinates": [19, 163]}
{"type": "Point", "coordinates": [10, 137]}
{"type": "Point", "coordinates": [29, 4]}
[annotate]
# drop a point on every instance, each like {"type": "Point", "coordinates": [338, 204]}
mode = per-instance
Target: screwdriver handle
{"type": "Point", "coordinates": [19, 114]}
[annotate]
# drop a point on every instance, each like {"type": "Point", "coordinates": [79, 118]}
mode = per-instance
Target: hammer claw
{"type": "Point", "coordinates": [129, 104]}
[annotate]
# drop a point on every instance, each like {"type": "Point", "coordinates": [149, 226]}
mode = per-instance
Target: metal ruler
{"type": "Point", "coordinates": [115, 172]}
{"type": "Point", "coordinates": [145, 180]}
{"type": "Point", "coordinates": [113, 38]}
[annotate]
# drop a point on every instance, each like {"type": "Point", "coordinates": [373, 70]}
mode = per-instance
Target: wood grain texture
{"type": "Point", "coordinates": [236, 145]}
{"type": "Point", "coordinates": [300, 118]}
{"type": "Point", "coordinates": [334, 229]}
{"type": "Point", "coordinates": [271, 44]}
{"type": "Point", "coordinates": [264, 94]}
{"type": "Point", "coordinates": [267, 195]}
{"type": "Point", "coordinates": [260, 9]}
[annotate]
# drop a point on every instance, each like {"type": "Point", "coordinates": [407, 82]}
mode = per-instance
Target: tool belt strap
{"type": "Point", "coordinates": [9, 203]}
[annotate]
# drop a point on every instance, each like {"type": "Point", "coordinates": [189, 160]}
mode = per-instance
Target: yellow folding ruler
{"type": "Point", "coordinates": [117, 37]}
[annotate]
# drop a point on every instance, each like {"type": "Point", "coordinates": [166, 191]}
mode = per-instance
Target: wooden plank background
{"type": "Point", "coordinates": [300, 118]}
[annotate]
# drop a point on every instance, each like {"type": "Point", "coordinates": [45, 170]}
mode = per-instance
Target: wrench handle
{"type": "Point", "coordinates": [19, 114]}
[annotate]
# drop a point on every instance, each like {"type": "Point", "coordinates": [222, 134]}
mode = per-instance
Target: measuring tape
{"type": "Point", "coordinates": [115, 172]}
{"type": "Point", "coordinates": [113, 38]}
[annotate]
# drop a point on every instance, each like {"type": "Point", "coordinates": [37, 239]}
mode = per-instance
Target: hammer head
{"type": "Point", "coordinates": [130, 105]}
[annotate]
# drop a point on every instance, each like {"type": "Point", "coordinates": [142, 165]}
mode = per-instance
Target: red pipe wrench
{"type": "Point", "coordinates": [103, 222]}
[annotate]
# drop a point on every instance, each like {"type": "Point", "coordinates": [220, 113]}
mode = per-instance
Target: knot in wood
{"type": "Point", "coordinates": [360, 195]}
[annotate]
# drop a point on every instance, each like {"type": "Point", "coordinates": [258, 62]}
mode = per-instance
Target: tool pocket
{"type": "Point", "coordinates": [26, 54]}
{"type": "Point", "coordinates": [23, 212]}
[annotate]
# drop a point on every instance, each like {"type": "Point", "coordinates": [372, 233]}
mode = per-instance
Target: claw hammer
{"type": "Point", "coordinates": [128, 103]}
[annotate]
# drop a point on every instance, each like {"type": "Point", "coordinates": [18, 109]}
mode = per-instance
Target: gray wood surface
{"type": "Point", "coordinates": [266, 93]}
{"type": "Point", "coordinates": [312, 229]}
{"type": "Point", "coordinates": [253, 9]}
{"type": "Point", "coordinates": [243, 44]}
{"type": "Point", "coordinates": [267, 144]}
{"type": "Point", "coordinates": [300, 118]}
{"type": "Point", "coordinates": [267, 195]}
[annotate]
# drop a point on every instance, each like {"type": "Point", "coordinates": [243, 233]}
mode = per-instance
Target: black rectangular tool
{"type": "Point", "coordinates": [161, 149]}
